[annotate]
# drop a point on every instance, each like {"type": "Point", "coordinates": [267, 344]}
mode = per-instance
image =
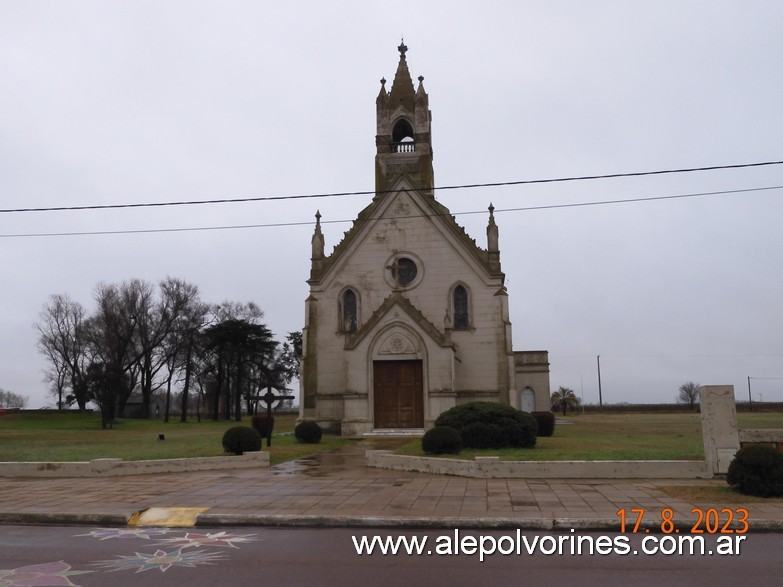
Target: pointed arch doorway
{"type": "Point", "coordinates": [398, 394]}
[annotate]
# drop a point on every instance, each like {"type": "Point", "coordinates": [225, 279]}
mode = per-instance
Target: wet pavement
{"type": "Point", "coordinates": [337, 489]}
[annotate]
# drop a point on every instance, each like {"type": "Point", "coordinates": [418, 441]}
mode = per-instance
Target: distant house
{"type": "Point", "coordinates": [134, 407]}
{"type": "Point", "coordinates": [409, 316]}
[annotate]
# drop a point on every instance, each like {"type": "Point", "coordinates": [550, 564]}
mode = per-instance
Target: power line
{"type": "Point", "coordinates": [677, 356]}
{"type": "Point", "coordinates": [373, 192]}
{"type": "Point", "coordinates": [290, 224]}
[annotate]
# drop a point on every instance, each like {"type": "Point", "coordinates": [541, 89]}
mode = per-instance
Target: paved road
{"type": "Point", "coordinates": [91, 556]}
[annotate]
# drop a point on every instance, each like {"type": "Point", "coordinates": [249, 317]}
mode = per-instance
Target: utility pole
{"type": "Point", "coordinates": [600, 396]}
{"type": "Point", "coordinates": [750, 399]}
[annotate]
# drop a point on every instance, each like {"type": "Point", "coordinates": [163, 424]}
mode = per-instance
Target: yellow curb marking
{"type": "Point", "coordinates": [179, 517]}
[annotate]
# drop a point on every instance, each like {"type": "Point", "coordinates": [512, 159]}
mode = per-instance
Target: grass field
{"type": "Point", "coordinates": [631, 436]}
{"type": "Point", "coordinates": [73, 436]}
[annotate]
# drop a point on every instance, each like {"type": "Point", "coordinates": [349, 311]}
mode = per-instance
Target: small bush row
{"type": "Point", "coordinates": [308, 432]}
{"type": "Point", "coordinates": [442, 440]}
{"type": "Point", "coordinates": [481, 425]}
{"type": "Point", "coordinates": [241, 439]}
{"type": "Point", "coordinates": [546, 423]}
{"type": "Point", "coordinates": [238, 440]}
{"type": "Point", "coordinates": [757, 470]}
{"type": "Point", "coordinates": [491, 425]}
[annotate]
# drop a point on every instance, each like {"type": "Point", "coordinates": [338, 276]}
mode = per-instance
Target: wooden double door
{"type": "Point", "coordinates": [399, 394]}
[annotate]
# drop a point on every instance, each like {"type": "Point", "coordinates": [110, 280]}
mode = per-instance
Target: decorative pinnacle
{"type": "Point", "coordinates": [383, 81]}
{"type": "Point", "coordinates": [491, 208]}
{"type": "Point", "coordinates": [421, 78]}
{"type": "Point", "coordinates": [402, 48]}
{"type": "Point", "coordinates": [318, 217]}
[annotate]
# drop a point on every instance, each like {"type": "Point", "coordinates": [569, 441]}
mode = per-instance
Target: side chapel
{"type": "Point", "coordinates": [409, 316]}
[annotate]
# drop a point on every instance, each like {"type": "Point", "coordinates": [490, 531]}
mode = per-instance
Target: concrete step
{"type": "Point", "coordinates": [412, 432]}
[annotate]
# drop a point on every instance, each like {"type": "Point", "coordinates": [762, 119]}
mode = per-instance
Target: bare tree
{"type": "Point", "coordinates": [62, 339]}
{"type": "Point", "coordinates": [8, 399]}
{"type": "Point", "coordinates": [184, 336]}
{"type": "Point", "coordinates": [113, 334]}
{"type": "Point", "coordinates": [135, 340]}
{"type": "Point", "coordinates": [158, 323]}
{"type": "Point", "coordinates": [228, 310]}
{"type": "Point", "coordinates": [689, 394]}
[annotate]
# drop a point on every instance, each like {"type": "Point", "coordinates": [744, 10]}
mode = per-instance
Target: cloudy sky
{"type": "Point", "coordinates": [107, 102]}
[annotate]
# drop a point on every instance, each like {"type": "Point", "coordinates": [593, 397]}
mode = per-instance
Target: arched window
{"type": "Point", "coordinates": [461, 311]}
{"type": "Point", "coordinates": [402, 137]}
{"type": "Point", "coordinates": [349, 311]}
{"type": "Point", "coordinates": [402, 130]}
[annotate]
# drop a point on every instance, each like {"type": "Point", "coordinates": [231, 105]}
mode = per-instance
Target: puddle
{"type": "Point", "coordinates": [339, 461]}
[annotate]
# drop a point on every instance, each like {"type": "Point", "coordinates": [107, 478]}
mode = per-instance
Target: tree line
{"type": "Point", "coordinates": [9, 399]}
{"type": "Point", "coordinates": [146, 338]}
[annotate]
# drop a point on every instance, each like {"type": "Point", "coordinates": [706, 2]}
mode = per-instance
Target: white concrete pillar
{"type": "Point", "coordinates": [719, 426]}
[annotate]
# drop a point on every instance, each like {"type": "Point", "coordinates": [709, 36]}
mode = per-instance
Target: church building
{"type": "Point", "coordinates": [409, 316]}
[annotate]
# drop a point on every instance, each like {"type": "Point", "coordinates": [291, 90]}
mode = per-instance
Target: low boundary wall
{"type": "Point", "coordinates": [118, 467]}
{"type": "Point", "coordinates": [493, 467]}
{"type": "Point", "coordinates": [767, 436]}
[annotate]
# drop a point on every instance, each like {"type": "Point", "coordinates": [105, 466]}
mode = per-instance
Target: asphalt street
{"type": "Point", "coordinates": [119, 556]}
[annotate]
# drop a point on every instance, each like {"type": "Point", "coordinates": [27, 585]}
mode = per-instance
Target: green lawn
{"type": "Point", "coordinates": [632, 436]}
{"type": "Point", "coordinates": [713, 493]}
{"type": "Point", "coordinates": [73, 436]}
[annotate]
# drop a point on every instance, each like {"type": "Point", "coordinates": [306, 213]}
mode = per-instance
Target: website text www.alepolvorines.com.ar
{"type": "Point", "coordinates": [516, 543]}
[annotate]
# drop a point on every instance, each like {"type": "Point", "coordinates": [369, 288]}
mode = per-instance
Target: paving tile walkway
{"type": "Point", "coordinates": [337, 489]}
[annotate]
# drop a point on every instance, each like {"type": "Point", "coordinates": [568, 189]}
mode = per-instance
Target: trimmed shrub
{"type": "Point", "coordinates": [241, 439]}
{"type": "Point", "coordinates": [263, 424]}
{"type": "Point", "coordinates": [757, 470]}
{"type": "Point", "coordinates": [546, 423]}
{"type": "Point", "coordinates": [491, 425]}
{"type": "Point", "coordinates": [308, 432]}
{"type": "Point", "coordinates": [441, 440]}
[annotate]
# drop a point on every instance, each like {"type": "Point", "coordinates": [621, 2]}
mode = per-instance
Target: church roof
{"type": "Point", "coordinates": [404, 170]}
{"type": "Point", "coordinates": [437, 211]}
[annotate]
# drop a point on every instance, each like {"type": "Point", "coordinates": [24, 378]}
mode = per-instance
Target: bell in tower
{"type": "Point", "coordinates": [403, 139]}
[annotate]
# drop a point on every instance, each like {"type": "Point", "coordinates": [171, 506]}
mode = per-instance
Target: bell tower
{"type": "Point", "coordinates": [403, 139]}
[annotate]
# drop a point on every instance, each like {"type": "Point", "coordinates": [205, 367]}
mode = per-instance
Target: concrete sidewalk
{"type": "Point", "coordinates": [336, 489]}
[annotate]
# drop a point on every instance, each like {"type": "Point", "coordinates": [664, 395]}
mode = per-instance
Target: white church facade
{"type": "Point", "coordinates": [408, 316]}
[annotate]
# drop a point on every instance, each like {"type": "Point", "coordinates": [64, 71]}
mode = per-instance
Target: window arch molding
{"type": "Point", "coordinates": [349, 310]}
{"type": "Point", "coordinates": [461, 307]}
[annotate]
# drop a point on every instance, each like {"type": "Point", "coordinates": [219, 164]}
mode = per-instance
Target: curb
{"type": "Point", "coordinates": [373, 522]}
{"type": "Point", "coordinates": [206, 520]}
{"type": "Point", "coordinates": [64, 519]}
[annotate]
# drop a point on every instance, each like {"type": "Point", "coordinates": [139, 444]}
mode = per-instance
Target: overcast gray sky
{"type": "Point", "coordinates": [106, 102]}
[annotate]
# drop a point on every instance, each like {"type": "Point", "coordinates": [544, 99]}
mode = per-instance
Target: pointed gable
{"type": "Point", "coordinates": [426, 207]}
{"type": "Point", "coordinates": [397, 300]}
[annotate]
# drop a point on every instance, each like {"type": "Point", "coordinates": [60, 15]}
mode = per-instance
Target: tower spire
{"type": "Point", "coordinates": [402, 91]}
{"type": "Point", "coordinates": [317, 255]}
{"type": "Point", "coordinates": [493, 238]}
{"type": "Point", "coordinates": [403, 129]}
